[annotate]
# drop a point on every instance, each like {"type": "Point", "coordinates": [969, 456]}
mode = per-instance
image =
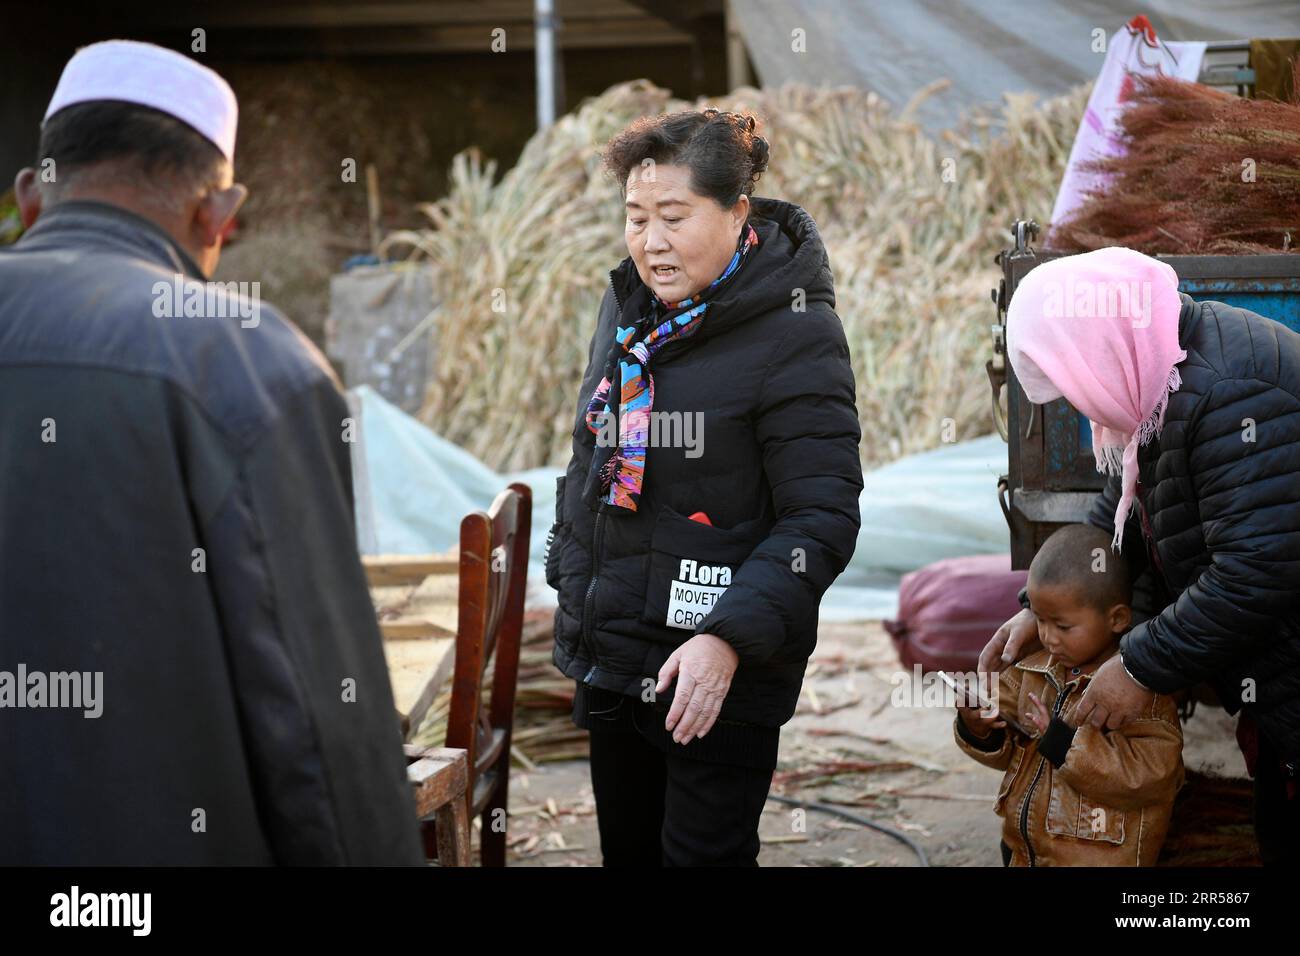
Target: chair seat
{"type": "Point", "coordinates": [439, 775]}
{"type": "Point", "coordinates": [440, 778]}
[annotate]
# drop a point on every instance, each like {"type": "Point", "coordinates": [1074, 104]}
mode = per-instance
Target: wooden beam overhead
{"type": "Point", "coordinates": [371, 42]}
{"type": "Point", "coordinates": [329, 28]}
{"type": "Point", "coordinates": [322, 14]}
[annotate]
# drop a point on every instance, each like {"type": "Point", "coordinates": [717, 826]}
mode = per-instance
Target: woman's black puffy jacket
{"type": "Point", "coordinates": [777, 473]}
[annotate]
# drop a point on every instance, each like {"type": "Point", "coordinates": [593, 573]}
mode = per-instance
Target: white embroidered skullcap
{"type": "Point", "coordinates": [152, 76]}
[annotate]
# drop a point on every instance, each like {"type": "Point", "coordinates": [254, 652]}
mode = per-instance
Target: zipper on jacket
{"type": "Point", "coordinates": [1061, 694]}
{"type": "Point", "coordinates": [613, 288]}
{"type": "Point", "coordinates": [670, 348]}
{"type": "Point", "coordinates": [1149, 538]}
{"type": "Point", "coordinates": [589, 604]}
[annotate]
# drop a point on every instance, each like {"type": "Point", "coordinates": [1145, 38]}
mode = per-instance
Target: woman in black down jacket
{"type": "Point", "coordinates": [712, 496]}
{"type": "Point", "coordinates": [1213, 476]}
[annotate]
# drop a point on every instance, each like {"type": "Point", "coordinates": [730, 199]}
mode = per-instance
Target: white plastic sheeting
{"type": "Point", "coordinates": [413, 488]}
{"type": "Point", "coordinates": [917, 510]}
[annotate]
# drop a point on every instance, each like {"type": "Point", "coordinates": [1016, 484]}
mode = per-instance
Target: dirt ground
{"type": "Point", "coordinates": [909, 775]}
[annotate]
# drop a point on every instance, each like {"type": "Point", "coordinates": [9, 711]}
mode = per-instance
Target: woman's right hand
{"type": "Point", "coordinates": [1012, 641]}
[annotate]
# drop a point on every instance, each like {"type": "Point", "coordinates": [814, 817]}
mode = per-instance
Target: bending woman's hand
{"type": "Point", "coordinates": [703, 666]}
{"type": "Point", "coordinates": [1012, 641]}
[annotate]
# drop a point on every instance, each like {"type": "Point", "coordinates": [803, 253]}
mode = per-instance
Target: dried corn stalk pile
{"type": "Point", "coordinates": [1202, 172]}
{"type": "Point", "coordinates": [911, 223]}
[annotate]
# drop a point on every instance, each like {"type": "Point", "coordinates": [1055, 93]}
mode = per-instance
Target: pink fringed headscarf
{"type": "Point", "coordinates": [1101, 329]}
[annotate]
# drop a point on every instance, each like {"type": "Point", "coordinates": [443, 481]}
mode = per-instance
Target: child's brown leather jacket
{"type": "Point", "coordinates": [1090, 799]}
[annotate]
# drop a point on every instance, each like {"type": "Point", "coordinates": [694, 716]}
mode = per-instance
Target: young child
{"type": "Point", "coordinates": [1075, 796]}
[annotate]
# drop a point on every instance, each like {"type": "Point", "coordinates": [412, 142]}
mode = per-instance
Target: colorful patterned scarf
{"type": "Point", "coordinates": [622, 474]}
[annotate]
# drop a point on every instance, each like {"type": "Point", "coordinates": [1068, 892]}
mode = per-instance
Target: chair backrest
{"type": "Point", "coordinates": [493, 580]}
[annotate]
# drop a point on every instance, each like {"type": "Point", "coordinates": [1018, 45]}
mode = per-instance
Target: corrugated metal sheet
{"type": "Point", "coordinates": [985, 47]}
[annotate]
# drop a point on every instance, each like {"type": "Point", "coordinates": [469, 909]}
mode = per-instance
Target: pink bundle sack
{"type": "Point", "coordinates": [947, 611]}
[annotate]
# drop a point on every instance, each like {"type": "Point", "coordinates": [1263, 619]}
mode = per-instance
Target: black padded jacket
{"type": "Point", "coordinates": [176, 516]}
{"type": "Point", "coordinates": [768, 384]}
{"type": "Point", "coordinates": [1220, 501]}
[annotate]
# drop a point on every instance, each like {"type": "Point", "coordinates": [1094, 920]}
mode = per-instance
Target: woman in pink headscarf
{"type": "Point", "coordinates": [1195, 414]}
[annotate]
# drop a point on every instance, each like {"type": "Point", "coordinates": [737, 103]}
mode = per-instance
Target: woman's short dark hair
{"type": "Point", "coordinates": [723, 151]}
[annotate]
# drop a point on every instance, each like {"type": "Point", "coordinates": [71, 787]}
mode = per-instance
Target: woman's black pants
{"type": "Point", "coordinates": [657, 808]}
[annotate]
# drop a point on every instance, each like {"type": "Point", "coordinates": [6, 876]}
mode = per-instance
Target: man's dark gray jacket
{"type": "Point", "coordinates": [176, 515]}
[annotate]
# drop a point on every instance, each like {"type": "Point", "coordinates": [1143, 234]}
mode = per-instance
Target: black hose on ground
{"type": "Point", "coordinates": [853, 818]}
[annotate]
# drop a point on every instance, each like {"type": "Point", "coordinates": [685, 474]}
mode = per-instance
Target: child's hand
{"type": "Point", "coordinates": [977, 723]}
{"type": "Point", "coordinates": [1039, 714]}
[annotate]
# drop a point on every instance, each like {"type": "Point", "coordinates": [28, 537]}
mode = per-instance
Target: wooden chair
{"type": "Point", "coordinates": [493, 579]}
{"type": "Point", "coordinates": [440, 779]}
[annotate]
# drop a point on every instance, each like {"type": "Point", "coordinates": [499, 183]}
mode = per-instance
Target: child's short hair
{"type": "Point", "coordinates": [1078, 556]}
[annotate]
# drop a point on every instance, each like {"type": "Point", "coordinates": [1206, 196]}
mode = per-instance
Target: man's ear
{"type": "Point", "coordinates": [28, 194]}
{"type": "Point", "coordinates": [1120, 617]}
{"type": "Point", "coordinates": [214, 212]}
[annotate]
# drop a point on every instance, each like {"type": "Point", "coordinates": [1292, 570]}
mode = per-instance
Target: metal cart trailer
{"type": "Point", "coordinates": [1051, 475]}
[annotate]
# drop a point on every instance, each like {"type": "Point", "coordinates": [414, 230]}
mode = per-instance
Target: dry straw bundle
{"type": "Point", "coordinates": [911, 223]}
{"type": "Point", "coordinates": [1203, 172]}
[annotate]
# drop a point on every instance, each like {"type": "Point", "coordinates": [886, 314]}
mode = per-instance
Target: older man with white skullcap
{"type": "Point", "coordinates": [190, 667]}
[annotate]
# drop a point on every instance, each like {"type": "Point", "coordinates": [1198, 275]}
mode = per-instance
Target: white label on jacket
{"type": "Point", "coordinates": [697, 589]}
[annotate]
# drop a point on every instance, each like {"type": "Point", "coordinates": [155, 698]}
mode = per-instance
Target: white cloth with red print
{"type": "Point", "coordinates": [1134, 50]}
